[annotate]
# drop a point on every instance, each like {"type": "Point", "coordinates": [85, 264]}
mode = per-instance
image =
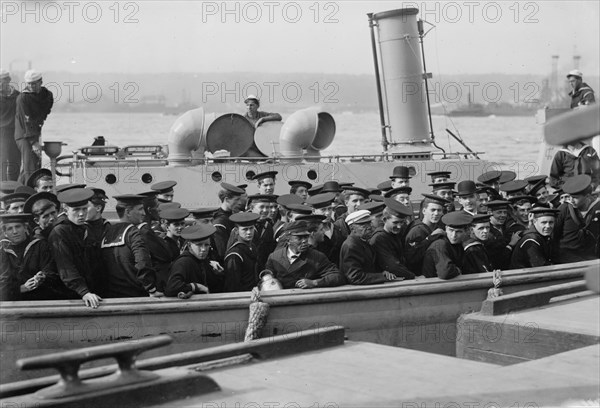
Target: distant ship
{"type": "Point", "coordinates": [495, 109]}
{"type": "Point", "coordinates": [472, 109]}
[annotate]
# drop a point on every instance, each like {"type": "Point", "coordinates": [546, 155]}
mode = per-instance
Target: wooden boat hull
{"type": "Point", "coordinates": [420, 315]}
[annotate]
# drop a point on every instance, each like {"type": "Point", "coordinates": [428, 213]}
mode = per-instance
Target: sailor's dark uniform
{"type": "Point", "coordinates": [389, 253]}
{"type": "Point", "coordinates": [160, 254]}
{"type": "Point", "coordinates": [533, 249]}
{"type": "Point", "coordinates": [357, 262]}
{"type": "Point", "coordinates": [311, 264]}
{"type": "Point", "coordinates": [265, 242]}
{"type": "Point", "coordinates": [418, 238]}
{"type": "Point", "coordinates": [240, 268]}
{"type": "Point", "coordinates": [576, 241]}
{"type": "Point", "coordinates": [584, 95]}
{"type": "Point", "coordinates": [475, 258]}
{"type": "Point", "coordinates": [443, 259]}
{"type": "Point", "coordinates": [128, 263]}
{"type": "Point", "coordinates": [96, 230]}
{"type": "Point", "coordinates": [592, 224]}
{"type": "Point", "coordinates": [224, 226]}
{"type": "Point", "coordinates": [497, 249]}
{"type": "Point", "coordinates": [186, 270]}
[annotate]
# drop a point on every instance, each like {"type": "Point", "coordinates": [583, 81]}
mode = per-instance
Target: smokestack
{"type": "Point", "coordinates": [576, 60]}
{"type": "Point", "coordinates": [402, 77]}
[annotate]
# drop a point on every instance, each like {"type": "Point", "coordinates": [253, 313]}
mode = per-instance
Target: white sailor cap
{"type": "Point", "coordinates": [4, 74]}
{"type": "Point", "coordinates": [358, 217]}
{"type": "Point", "coordinates": [32, 76]}
{"type": "Point", "coordinates": [576, 73]}
{"type": "Point", "coordinates": [251, 96]}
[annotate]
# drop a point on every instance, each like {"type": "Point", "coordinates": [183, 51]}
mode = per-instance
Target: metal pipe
{"type": "Point", "coordinates": [384, 141]}
{"type": "Point", "coordinates": [421, 31]}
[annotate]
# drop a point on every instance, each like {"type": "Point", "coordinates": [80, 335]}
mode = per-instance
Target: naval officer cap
{"type": "Point", "coordinates": [514, 186]}
{"type": "Point", "coordinates": [164, 187]}
{"type": "Point", "coordinates": [244, 219]}
{"type": "Point", "coordinates": [374, 207]}
{"type": "Point", "coordinates": [287, 199]}
{"type": "Point", "coordinates": [358, 217]}
{"type": "Point", "coordinates": [577, 185]}
{"type": "Point", "coordinates": [298, 228]}
{"type": "Point", "coordinates": [448, 185]}
{"type": "Point", "coordinates": [174, 214]}
{"type": "Point", "coordinates": [498, 205]}
{"type": "Point", "coordinates": [398, 190]}
{"type": "Point", "coordinates": [36, 175]}
{"type": "Point", "coordinates": [99, 196]}
{"type": "Point", "coordinates": [300, 208]}
{"type": "Point", "coordinates": [400, 172]}
{"type": "Point", "coordinates": [203, 212]}
{"type": "Point", "coordinates": [396, 208]}
{"type": "Point", "coordinates": [457, 219]}
{"type": "Point", "coordinates": [15, 198]}
{"type": "Point", "coordinates": [356, 190]}
{"type": "Point", "coordinates": [22, 218]}
{"type": "Point", "coordinates": [65, 187]}
{"type": "Point", "coordinates": [575, 73]}
{"type": "Point", "coordinates": [262, 198]}
{"type": "Point", "coordinates": [195, 233]}
{"type": "Point", "coordinates": [233, 189]}
{"type": "Point", "coordinates": [506, 176]}
{"type": "Point", "coordinates": [321, 200]}
{"type": "Point", "coordinates": [300, 183]}
{"type": "Point", "coordinates": [439, 174]}
{"type": "Point", "coordinates": [490, 177]}
{"type": "Point", "coordinates": [76, 197]}
{"type": "Point", "coordinates": [536, 179]}
{"type": "Point", "coordinates": [32, 76]}
{"type": "Point", "coordinates": [242, 186]}
{"type": "Point", "coordinates": [265, 175]}
{"type": "Point", "coordinates": [44, 195]}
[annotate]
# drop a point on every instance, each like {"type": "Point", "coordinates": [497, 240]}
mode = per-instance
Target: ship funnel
{"type": "Point", "coordinates": [402, 78]}
{"type": "Point", "coordinates": [308, 128]}
{"type": "Point", "coordinates": [185, 136]}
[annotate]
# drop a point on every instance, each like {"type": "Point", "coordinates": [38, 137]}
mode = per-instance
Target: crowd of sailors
{"type": "Point", "coordinates": [60, 246]}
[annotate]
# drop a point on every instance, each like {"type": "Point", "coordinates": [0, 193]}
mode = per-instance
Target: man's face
{"type": "Point", "coordinates": [273, 211]}
{"type": "Point", "coordinates": [93, 212]}
{"type": "Point", "coordinates": [364, 230]}
{"type": "Point", "coordinates": [251, 107]}
{"type": "Point", "coordinates": [580, 201]}
{"type": "Point", "coordinates": [326, 211]}
{"type": "Point", "coordinates": [523, 212]}
{"type": "Point", "coordinates": [439, 179]}
{"type": "Point", "coordinates": [445, 193]}
{"type": "Point", "coordinates": [299, 243]}
{"type": "Point", "coordinates": [400, 182]}
{"type": "Point", "coordinates": [565, 198]}
{"type": "Point", "coordinates": [77, 215]}
{"type": "Point", "coordinates": [302, 192]}
{"type": "Point", "coordinates": [166, 196]}
{"type": "Point", "coordinates": [262, 209]}
{"type": "Point", "coordinates": [266, 186]}
{"type": "Point", "coordinates": [16, 207]}
{"type": "Point", "coordinates": [544, 225]}
{"type": "Point", "coordinates": [574, 82]}
{"type": "Point", "coordinates": [200, 249]}
{"type": "Point", "coordinates": [377, 220]}
{"type": "Point", "coordinates": [456, 235]}
{"type": "Point", "coordinates": [203, 221]}
{"type": "Point", "coordinates": [484, 198]}
{"type": "Point", "coordinates": [36, 86]}
{"type": "Point", "coordinates": [403, 198]}
{"type": "Point", "coordinates": [16, 232]}
{"type": "Point", "coordinates": [246, 234]}
{"type": "Point", "coordinates": [394, 225]}
{"type": "Point", "coordinates": [233, 202]}
{"type": "Point", "coordinates": [152, 210]}
{"type": "Point", "coordinates": [469, 202]}
{"type": "Point", "coordinates": [45, 219]}
{"type": "Point", "coordinates": [5, 83]}
{"type": "Point", "coordinates": [500, 216]}
{"type": "Point", "coordinates": [481, 231]}
{"type": "Point", "coordinates": [44, 186]}
{"type": "Point", "coordinates": [542, 195]}
{"type": "Point", "coordinates": [175, 228]}
{"type": "Point", "coordinates": [432, 213]}
{"type": "Point", "coordinates": [353, 201]}
{"type": "Point", "coordinates": [135, 214]}
{"type": "Point", "coordinates": [318, 235]}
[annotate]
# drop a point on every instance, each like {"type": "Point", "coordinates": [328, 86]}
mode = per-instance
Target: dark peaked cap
{"type": "Point", "coordinates": [198, 232]}
{"type": "Point", "coordinates": [76, 197]}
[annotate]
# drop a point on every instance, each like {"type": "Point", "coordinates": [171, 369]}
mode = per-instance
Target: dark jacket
{"type": "Point", "coordinates": [443, 259]}
{"type": "Point", "coordinates": [128, 264]}
{"type": "Point", "coordinates": [389, 253]}
{"type": "Point", "coordinates": [497, 249]}
{"type": "Point", "coordinates": [224, 226]}
{"type": "Point", "coordinates": [533, 249]}
{"type": "Point", "coordinates": [240, 268]}
{"type": "Point", "coordinates": [357, 262]}
{"type": "Point", "coordinates": [32, 111]}
{"type": "Point", "coordinates": [584, 95]}
{"type": "Point", "coordinates": [576, 242]}
{"type": "Point", "coordinates": [8, 110]}
{"type": "Point", "coordinates": [188, 269]}
{"type": "Point", "coordinates": [565, 164]}
{"type": "Point", "coordinates": [160, 254]}
{"type": "Point", "coordinates": [475, 258]}
{"type": "Point", "coordinates": [310, 265]}
{"type": "Point", "coordinates": [418, 239]}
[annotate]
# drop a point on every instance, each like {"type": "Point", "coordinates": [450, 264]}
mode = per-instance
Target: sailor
{"type": "Point", "coordinates": [96, 223]}
{"type": "Point", "coordinates": [10, 157]}
{"type": "Point", "coordinates": [41, 180]}
{"type": "Point", "coordinates": [339, 208]}
{"type": "Point", "coordinates": [266, 182]}
{"type": "Point", "coordinates": [298, 265]}
{"type": "Point", "coordinates": [44, 209]}
{"type": "Point", "coordinates": [467, 196]}
{"type": "Point", "coordinates": [126, 257]}
{"type": "Point", "coordinates": [314, 190]}
{"type": "Point", "coordinates": [264, 239]}
{"type": "Point", "coordinates": [164, 190]}
{"type": "Point", "coordinates": [300, 188]}
{"type": "Point", "coordinates": [491, 179]}
{"type": "Point", "coordinates": [357, 257]}
{"type": "Point", "coordinates": [520, 221]}
{"type": "Point", "coordinates": [203, 215]}
{"type": "Point", "coordinates": [421, 233]}
{"type": "Point", "coordinates": [400, 194]}
{"type": "Point", "coordinates": [506, 176]}
{"type": "Point", "coordinates": [514, 188]}
{"type": "Point", "coordinates": [400, 177]}
{"type": "Point", "coordinates": [69, 242]}
{"type": "Point", "coordinates": [535, 248]}
{"type": "Point", "coordinates": [323, 204]}
{"type": "Point", "coordinates": [581, 93]}
{"type": "Point", "coordinates": [353, 197]}
{"type": "Point", "coordinates": [485, 194]}
{"type": "Point", "coordinates": [14, 203]}
{"type": "Point", "coordinates": [27, 268]}
{"type": "Point", "coordinates": [572, 159]}
{"type": "Point", "coordinates": [443, 189]}
{"type": "Point", "coordinates": [173, 222]}
{"type": "Point", "coordinates": [444, 257]}
{"type": "Point", "coordinates": [387, 240]}
{"type": "Point", "coordinates": [192, 271]}
{"type": "Point", "coordinates": [283, 202]}
{"type": "Point", "coordinates": [537, 188]}
{"type": "Point", "coordinates": [376, 209]}
{"type": "Point", "coordinates": [475, 258]}
{"type": "Point", "coordinates": [499, 245]}
{"type": "Point", "coordinates": [33, 107]}
{"type": "Point", "coordinates": [385, 186]}
{"type": "Point", "coordinates": [439, 176]}
{"type": "Point", "coordinates": [230, 197]}
{"type": "Point", "coordinates": [240, 259]}
{"type": "Point", "coordinates": [256, 117]}
{"type": "Point", "coordinates": [575, 227]}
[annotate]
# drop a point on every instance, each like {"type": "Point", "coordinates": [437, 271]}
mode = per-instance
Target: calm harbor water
{"type": "Point", "coordinates": [510, 141]}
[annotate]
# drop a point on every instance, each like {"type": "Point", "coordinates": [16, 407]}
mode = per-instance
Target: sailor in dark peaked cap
{"type": "Point", "coordinates": [14, 203]}
{"type": "Point", "coordinates": [376, 209]}
{"type": "Point", "coordinates": [264, 239]}
{"type": "Point", "coordinates": [44, 209]}
{"type": "Point", "coordinates": [500, 244]}
{"type": "Point", "coordinates": [439, 176]}
{"type": "Point", "coordinates": [444, 257]}
{"type": "Point", "coordinates": [514, 188]}
{"type": "Point", "coordinates": [41, 180]}
{"type": "Point", "coordinates": [230, 197]}
{"type": "Point", "coordinates": [476, 259]}
{"type": "Point", "coordinates": [165, 190]}
{"type": "Point", "coordinates": [300, 188]}
{"type": "Point", "coordinates": [266, 182]}
{"type": "Point", "coordinates": [241, 258]}
{"type": "Point", "coordinates": [536, 246]}
{"type": "Point", "coordinates": [491, 178]}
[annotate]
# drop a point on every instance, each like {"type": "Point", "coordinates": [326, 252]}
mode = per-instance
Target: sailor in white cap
{"type": "Point", "coordinates": [581, 93]}
{"type": "Point", "coordinates": [33, 107]}
{"type": "Point", "coordinates": [256, 117]}
{"type": "Point", "coordinates": [10, 157]}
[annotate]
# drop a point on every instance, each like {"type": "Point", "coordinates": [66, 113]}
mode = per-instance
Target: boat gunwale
{"type": "Point", "coordinates": [17, 310]}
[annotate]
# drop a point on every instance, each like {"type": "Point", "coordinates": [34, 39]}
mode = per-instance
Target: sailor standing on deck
{"type": "Point", "coordinates": [256, 117]}
{"type": "Point", "coordinates": [10, 157]}
{"type": "Point", "coordinates": [536, 247]}
{"type": "Point", "coordinates": [33, 107]}
{"type": "Point", "coordinates": [128, 264]}
{"type": "Point", "coordinates": [69, 242]}
{"type": "Point", "coordinates": [581, 93]}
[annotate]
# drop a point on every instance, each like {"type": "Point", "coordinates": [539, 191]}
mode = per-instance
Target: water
{"type": "Point", "coordinates": [512, 142]}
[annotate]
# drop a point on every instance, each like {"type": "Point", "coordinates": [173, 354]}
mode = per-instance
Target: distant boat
{"type": "Point", "coordinates": [472, 109]}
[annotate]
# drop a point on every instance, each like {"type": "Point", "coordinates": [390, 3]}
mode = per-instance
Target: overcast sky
{"type": "Point", "coordinates": [272, 36]}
